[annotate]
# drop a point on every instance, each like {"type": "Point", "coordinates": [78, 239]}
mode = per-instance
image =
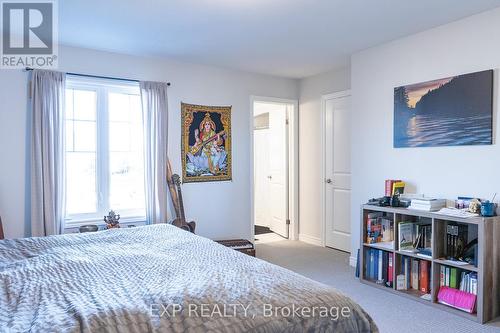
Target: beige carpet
{"type": "Point", "coordinates": [392, 313]}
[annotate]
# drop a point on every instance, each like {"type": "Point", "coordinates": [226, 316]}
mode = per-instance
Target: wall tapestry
{"type": "Point", "coordinates": [453, 111]}
{"type": "Point", "coordinates": [206, 143]}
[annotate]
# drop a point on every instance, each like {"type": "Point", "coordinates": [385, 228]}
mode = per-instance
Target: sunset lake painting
{"type": "Point", "coordinates": [453, 111]}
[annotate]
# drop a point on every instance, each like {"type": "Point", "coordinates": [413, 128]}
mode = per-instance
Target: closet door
{"type": "Point", "coordinates": [338, 173]}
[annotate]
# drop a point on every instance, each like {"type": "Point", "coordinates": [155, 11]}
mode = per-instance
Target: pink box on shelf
{"type": "Point", "coordinates": [458, 299]}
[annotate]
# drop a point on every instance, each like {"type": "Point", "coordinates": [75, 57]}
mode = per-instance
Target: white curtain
{"type": "Point", "coordinates": [47, 152]}
{"type": "Point", "coordinates": [155, 109]}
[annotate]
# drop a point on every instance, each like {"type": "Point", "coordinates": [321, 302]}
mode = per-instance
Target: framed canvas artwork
{"type": "Point", "coordinates": [453, 111]}
{"type": "Point", "coordinates": [206, 143]}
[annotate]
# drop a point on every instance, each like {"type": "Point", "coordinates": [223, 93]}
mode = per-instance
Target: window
{"type": "Point", "coordinates": [104, 150]}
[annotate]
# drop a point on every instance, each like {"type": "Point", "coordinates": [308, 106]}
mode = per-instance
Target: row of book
{"type": "Point", "coordinates": [456, 240]}
{"type": "Point", "coordinates": [379, 266]}
{"type": "Point", "coordinates": [379, 228]}
{"type": "Point", "coordinates": [415, 274]}
{"type": "Point", "coordinates": [394, 187]}
{"type": "Point", "coordinates": [449, 277]}
{"type": "Point", "coordinates": [415, 237]}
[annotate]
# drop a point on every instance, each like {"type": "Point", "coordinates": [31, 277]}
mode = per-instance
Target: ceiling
{"type": "Point", "coordinates": [290, 38]}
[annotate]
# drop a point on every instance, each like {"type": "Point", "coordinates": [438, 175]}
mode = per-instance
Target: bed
{"type": "Point", "coordinates": [159, 278]}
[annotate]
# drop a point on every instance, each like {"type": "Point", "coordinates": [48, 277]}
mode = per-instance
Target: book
{"type": "Point", "coordinates": [407, 272]}
{"type": "Point", "coordinates": [389, 183]}
{"type": "Point", "coordinates": [425, 208]}
{"type": "Point", "coordinates": [441, 276]}
{"type": "Point", "coordinates": [356, 274]}
{"type": "Point", "coordinates": [463, 282]}
{"type": "Point", "coordinates": [379, 228]}
{"type": "Point", "coordinates": [453, 277]}
{"type": "Point", "coordinates": [400, 282]}
{"type": "Point", "coordinates": [388, 187]}
{"type": "Point", "coordinates": [385, 264]}
{"type": "Point", "coordinates": [428, 201]}
{"type": "Point", "coordinates": [456, 240]}
{"type": "Point", "coordinates": [373, 228]}
{"type": "Point", "coordinates": [473, 284]}
{"type": "Point", "coordinates": [371, 269]}
{"type": "Point", "coordinates": [380, 264]}
{"type": "Point", "coordinates": [390, 269]}
{"type": "Point", "coordinates": [425, 277]}
{"type": "Point", "coordinates": [414, 273]}
{"type": "Point", "coordinates": [398, 188]}
{"type": "Point", "coordinates": [427, 204]}
{"type": "Point", "coordinates": [367, 263]}
{"type": "Point", "coordinates": [387, 229]}
{"type": "Point", "coordinates": [406, 235]}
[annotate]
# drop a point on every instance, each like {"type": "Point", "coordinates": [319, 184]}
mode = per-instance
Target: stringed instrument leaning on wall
{"type": "Point", "coordinates": [174, 185]}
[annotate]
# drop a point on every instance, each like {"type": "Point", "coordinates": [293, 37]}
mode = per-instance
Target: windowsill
{"type": "Point", "coordinates": [73, 226]}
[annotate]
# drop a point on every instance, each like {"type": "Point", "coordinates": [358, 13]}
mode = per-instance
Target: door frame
{"type": "Point", "coordinates": [324, 99]}
{"type": "Point", "coordinates": [293, 164]}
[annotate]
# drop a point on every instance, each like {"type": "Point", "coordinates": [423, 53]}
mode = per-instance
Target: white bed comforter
{"type": "Point", "coordinates": [159, 279]}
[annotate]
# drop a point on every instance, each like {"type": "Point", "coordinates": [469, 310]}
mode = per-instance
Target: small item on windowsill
{"type": "Point", "coordinates": [88, 228]}
{"type": "Point", "coordinates": [112, 220]}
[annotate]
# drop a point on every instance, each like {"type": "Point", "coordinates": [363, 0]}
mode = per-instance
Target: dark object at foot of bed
{"type": "Point", "coordinates": [241, 245]}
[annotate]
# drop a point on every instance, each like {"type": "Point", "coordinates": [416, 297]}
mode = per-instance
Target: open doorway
{"type": "Point", "coordinates": [274, 169]}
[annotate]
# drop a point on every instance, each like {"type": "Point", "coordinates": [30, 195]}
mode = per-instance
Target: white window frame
{"type": "Point", "coordinates": [102, 87]}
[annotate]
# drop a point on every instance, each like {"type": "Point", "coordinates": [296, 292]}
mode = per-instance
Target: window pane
{"type": "Point", "coordinates": [84, 102]}
{"type": "Point", "coordinates": [126, 158]}
{"type": "Point", "coordinates": [69, 136]}
{"type": "Point", "coordinates": [119, 136]}
{"type": "Point", "coordinates": [119, 107]}
{"type": "Point", "coordinates": [85, 136]}
{"type": "Point", "coordinates": [69, 103]}
{"type": "Point", "coordinates": [81, 194]}
{"type": "Point", "coordinates": [127, 182]}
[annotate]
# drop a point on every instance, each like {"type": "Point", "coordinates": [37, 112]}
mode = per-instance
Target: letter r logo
{"type": "Point", "coordinates": [28, 27]}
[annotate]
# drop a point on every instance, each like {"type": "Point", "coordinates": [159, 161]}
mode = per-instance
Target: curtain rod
{"type": "Point", "coordinates": [98, 76]}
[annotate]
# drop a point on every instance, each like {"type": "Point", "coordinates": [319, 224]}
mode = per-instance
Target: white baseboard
{"type": "Point", "coordinates": [352, 261]}
{"type": "Point", "coordinates": [310, 240]}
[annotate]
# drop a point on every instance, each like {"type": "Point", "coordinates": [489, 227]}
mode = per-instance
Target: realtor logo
{"type": "Point", "coordinates": [29, 34]}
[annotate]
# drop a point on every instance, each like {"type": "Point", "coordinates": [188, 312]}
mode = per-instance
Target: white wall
{"type": "Point", "coordinates": [222, 210]}
{"type": "Point", "coordinates": [310, 182]}
{"type": "Point", "coordinates": [468, 45]}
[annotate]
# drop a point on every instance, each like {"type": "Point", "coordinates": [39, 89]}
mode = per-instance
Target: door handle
{"type": "Point", "coordinates": [328, 181]}
{"type": "Point", "coordinates": [269, 177]}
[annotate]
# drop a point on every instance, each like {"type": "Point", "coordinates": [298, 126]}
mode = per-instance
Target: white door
{"type": "Point", "coordinates": [261, 173]}
{"type": "Point", "coordinates": [278, 170]}
{"type": "Point", "coordinates": [337, 180]}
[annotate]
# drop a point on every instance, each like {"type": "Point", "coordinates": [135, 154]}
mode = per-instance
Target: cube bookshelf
{"type": "Point", "coordinates": [487, 231]}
